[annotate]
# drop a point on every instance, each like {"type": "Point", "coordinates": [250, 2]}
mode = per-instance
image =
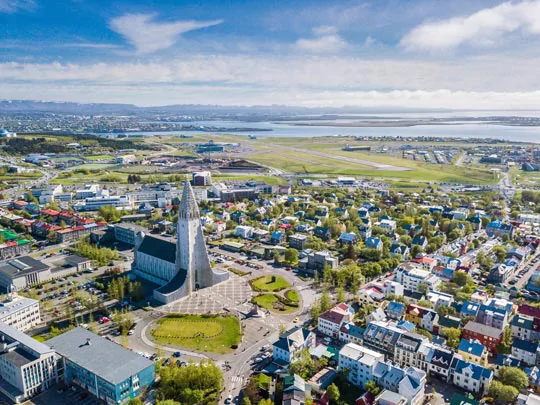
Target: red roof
{"type": "Point", "coordinates": [423, 260]}
{"type": "Point", "coordinates": [285, 226]}
{"type": "Point", "coordinates": [49, 212]}
{"type": "Point", "coordinates": [530, 311]}
{"type": "Point", "coordinates": [23, 203]}
{"type": "Point", "coordinates": [67, 214]}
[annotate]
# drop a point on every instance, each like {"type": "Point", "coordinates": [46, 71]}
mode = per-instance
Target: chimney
{"type": "Point", "coordinates": [88, 343]}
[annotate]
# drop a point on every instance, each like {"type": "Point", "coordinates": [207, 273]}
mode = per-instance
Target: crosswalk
{"type": "Point", "coordinates": [237, 378]}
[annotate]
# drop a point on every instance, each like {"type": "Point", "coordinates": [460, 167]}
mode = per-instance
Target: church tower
{"type": "Point", "coordinates": [191, 254]}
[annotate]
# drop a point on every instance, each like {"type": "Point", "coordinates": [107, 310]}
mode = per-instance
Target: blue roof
{"type": "Point", "coordinates": [395, 306]}
{"type": "Point", "coordinates": [348, 236]}
{"type": "Point", "coordinates": [478, 372]}
{"type": "Point", "coordinates": [406, 325]}
{"type": "Point", "coordinates": [525, 345]}
{"type": "Point", "coordinates": [277, 235]}
{"type": "Point", "coordinates": [473, 347]}
{"type": "Point", "coordinates": [372, 243]}
{"type": "Point", "coordinates": [469, 308]}
{"type": "Point", "coordinates": [508, 361]}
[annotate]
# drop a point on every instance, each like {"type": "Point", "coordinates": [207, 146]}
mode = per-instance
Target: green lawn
{"type": "Point", "coordinates": [98, 157]}
{"type": "Point", "coordinates": [268, 301]}
{"type": "Point", "coordinates": [265, 283]}
{"type": "Point", "coordinates": [292, 295]}
{"type": "Point", "coordinates": [216, 334]}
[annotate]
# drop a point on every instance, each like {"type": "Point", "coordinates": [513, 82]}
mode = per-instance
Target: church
{"type": "Point", "coordinates": [178, 268]}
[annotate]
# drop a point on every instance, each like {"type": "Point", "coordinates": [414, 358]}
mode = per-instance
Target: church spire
{"type": "Point", "coordinates": [188, 206]}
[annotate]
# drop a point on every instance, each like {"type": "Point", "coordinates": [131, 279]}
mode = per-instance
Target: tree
{"type": "Point", "coordinates": [326, 302]}
{"type": "Point", "coordinates": [291, 256]}
{"type": "Point", "coordinates": [502, 393]}
{"type": "Point", "coordinates": [424, 333]}
{"type": "Point", "coordinates": [266, 402]}
{"type": "Point", "coordinates": [505, 347]}
{"type": "Point", "coordinates": [461, 278]}
{"type": "Point", "coordinates": [514, 377]}
{"type": "Point", "coordinates": [425, 304]}
{"type": "Point", "coordinates": [340, 294]}
{"type": "Point", "coordinates": [499, 252]}
{"type": "Point", "coordinates": [52, 237]}
{"type": "Point", "coordinates": [246, 400]}
{"type": "Point", "coordinates": [423, 288]}
{"type": "Point", "coordinates": [135, 401]}
{"type": "Point", "coordinates": [372, 387]}
{"type": "Point", "coordinates": [333, 393]}
{"type": "Point", "coordinates": [453, 336]}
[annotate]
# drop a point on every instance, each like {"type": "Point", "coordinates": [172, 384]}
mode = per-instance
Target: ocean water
{"type": "Point", "coordinates": [464, 130]}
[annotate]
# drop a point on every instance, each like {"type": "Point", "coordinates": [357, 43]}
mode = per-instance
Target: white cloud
{"type": "Point", "coordinates": [327, 40]}
{"type": "Point", "coordinates": [12, 6]}
{"type": "Point", "coordinates": [148, 36]}
{"type": "Point", "coordinates": [330, 73]}
{"type": "Point", "coordinates": [487, 27]}
{"type": "Point", "coordinates": [90, 45]}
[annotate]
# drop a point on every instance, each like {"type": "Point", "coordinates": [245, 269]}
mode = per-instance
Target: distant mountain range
{"type": "Point", "coordinates": [30, 106]}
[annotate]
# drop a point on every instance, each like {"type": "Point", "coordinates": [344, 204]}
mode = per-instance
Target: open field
{"type": "Point", "coordinates": [98, 157]}
{"type": "Point", "coordinates": [216, 334]}
{"type": "Point", "coordinates": [267, 179]}
{"type": "Point", "coordinates": [269, 283]}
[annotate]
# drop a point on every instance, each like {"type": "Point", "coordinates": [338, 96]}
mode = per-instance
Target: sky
{"type": "Point", "coordinates": [459, 54]}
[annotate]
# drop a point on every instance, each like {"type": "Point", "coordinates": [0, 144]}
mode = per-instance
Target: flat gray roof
{"type": "Point", "coordinates": [21, 266]}
{"type": "Point", "coordinates": [18, 357]}
{"type": "Point", "coordinates": [13, 334]}
{"type": "Point", "coordinates": [98, 355]}
{"type": "Point", "coordinates": [8, 308]}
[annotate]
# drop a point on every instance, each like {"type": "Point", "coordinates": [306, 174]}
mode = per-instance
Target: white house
{"type": "Point", "coordinates": [330, 322]}
{"type": "Point", "coordinates": [289, 345]}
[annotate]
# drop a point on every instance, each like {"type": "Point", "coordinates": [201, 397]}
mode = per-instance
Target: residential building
{"type": "Point", "coordinates": [244, 231]}
{"type": "Point", "coordinates": [413, 278]}
{"type": "Point", "coordinates": [471, 377]}
{"type": "Point", "coordinates": [330, 322]}
{"type": "Point", "coordinates": [439, 361]}
{"type": "Point", "coordinates": [392, 288]}
{"type": "Point", "coordinates": [317, 261]}
{"type": "Point", "coordinates": [498, 229]}
{"type": "Point", "coordinates": [489, 336]}
{"type": "Point", "coordinates": [351, 333]}
{"type": "Point", "coordinates": [27, 367]}
{"type": "Point", "coordinates": [360, 363]}
{"type": "Point", "coordinates": [395, 310]}
{"type": "Point", "coordinates": [424, 318]}
{"type": "Point", "coordinates": [525, 351]}
{"type": "Point", "coordinates": [289, 345]}
{"type": "Point", "coordinates": [407, 350]}
{"type": "Point", "coordinates": [388, 225]}
{"type": "Point", "coordinates": [95, 203]}
{"type": "Point", "coordinates": [382, 336]}
{"type": "Point", "coordinates": [525, 327]}
{"type": "Point", "coordinates": [473, 351]}
{"type": "Point", "coordinates": [104, 368]}
{"type": "Point", "coordinates": [298, 241]}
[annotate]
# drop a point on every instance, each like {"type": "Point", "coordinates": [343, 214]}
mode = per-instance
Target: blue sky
{"type": "Point", "coordinates": [411, 53]}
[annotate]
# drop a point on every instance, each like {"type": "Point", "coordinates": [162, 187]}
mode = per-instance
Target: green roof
{"type": "Point", "coordinates": [8, 235]}
{"type": "Point", "coordinates": [458, 399]}
{"type": "Point", "coordinates": [233, 244]}
{"type": "Point", "coordinates": [23, 242]}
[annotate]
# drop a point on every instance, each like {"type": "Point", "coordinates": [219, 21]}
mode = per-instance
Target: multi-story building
{"type": "Point", "coordinates": [290, 345]}
{"type": "Point", "coordinates": [471, 377]}
{"type": "Point", "coordinates": [21, 313]}
{"type": "Point", "coordinates": [27, 367]}
{"type": "Point", "coordinates": [89, 191]}
{"type": "Point", "coordinates": [330, 322]}
{"type": "Point", "coordinates": [382, 336]}
{"type": "Point", "coordinates": [104, 368]}
{"type": "Point", "coordinates": [412, 277]}
{"type": "Point", "coordinates": [95, 203]}
{"type": "Point", "coordinates": [489, 336]}
{"type": "Point", "coordinates": [298, 241]}
{"type": "Point", "coordinates": [525, 327]}
{"type": "Point", "coordinates": [127, 233]}
{"type": "Point", "coordinates": [359, 362]}
{"type": "Point", "coordinates": [407, 351]}
{"type": "Point", "coordinates": [202, 178]}
{"type": "Point", "coordinates": [317, 261]}
{"type": "Point", "coordinates": [473, 351]}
